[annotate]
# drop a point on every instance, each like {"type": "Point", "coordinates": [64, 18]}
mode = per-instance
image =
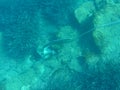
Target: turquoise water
{"type": "Point", "coordinates": [59, 45]}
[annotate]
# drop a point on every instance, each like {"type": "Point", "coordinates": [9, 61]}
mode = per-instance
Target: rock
{"type": "Point", "coordinates": [64, 79]}
{"type": "Point", "coordinates": [70, 50]}
{"type": "Point", "coordinates": [107, 34]}
{"type": "Point", "coordinates": [13, 84]}
{"type": "Point", "coordinates": [85, 11]}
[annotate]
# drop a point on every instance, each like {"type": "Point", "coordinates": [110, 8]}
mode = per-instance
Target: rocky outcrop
{"type": "Point", "coordinates": [85, 11]}
{"type": "Point", "coordinates": [106, 32]}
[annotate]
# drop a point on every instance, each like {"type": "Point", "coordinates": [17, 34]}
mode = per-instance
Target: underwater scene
{"type": "Point", "coordinates": [59, 44]}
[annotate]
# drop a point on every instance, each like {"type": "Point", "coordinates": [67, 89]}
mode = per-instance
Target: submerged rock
{"type": "Point", "coordinates": [85, 11]}
{"type": "Point", "coordinates": [107, 34]}
{"type": "Point", "coordinates": [64, 79]}
{"type": "Point", "coordinates": [70, 51]}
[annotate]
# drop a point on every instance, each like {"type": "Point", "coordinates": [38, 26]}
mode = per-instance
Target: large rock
{"type": "Point", "coordinates": [107, 33]}
{"type": "Point", "coordinates": [85, 11]}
